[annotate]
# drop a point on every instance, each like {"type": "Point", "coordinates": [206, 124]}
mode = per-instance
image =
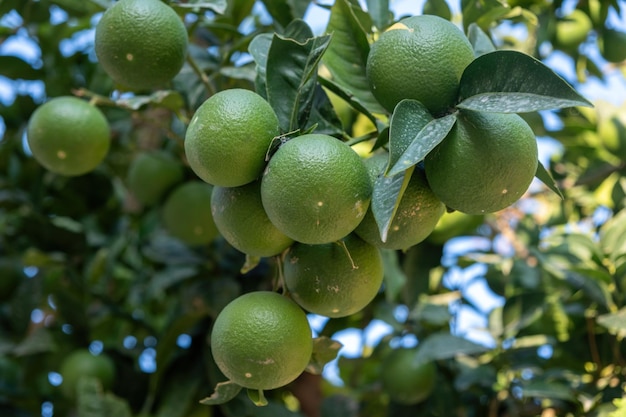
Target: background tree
{"type": "Point", "coordinates": [89, 262]}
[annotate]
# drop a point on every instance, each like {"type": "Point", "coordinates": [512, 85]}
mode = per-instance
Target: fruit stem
{"type": "Point", "coordinates": [203, 77]}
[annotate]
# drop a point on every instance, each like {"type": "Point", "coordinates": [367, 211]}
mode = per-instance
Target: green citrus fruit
{"type": "Point", "coordinates": [152, 174]}
{"type": "Point", "coordinates": [81, 363]}
{"type": "Point", "coordinates": [333, 280]}
{"type": "Point", "coordinates": [68, 136]}
{"type": "Point", "coordinates": [614, 45]}
{"type": "Point", "coordinates": [11, 274]}
{"type": "Point", "coordinates": [141, 44]}
{"type": "Point", "coordinates": [485, 164]}
{"type": "Point", "coordinates": [420, 58]}
{"type": "Point", "coordinates": [407, 378]}
{"type": "Point", "coordinates": [261, 340]}
{"type": "Point", "coordinates": [416, 217]}
{"type": "Point", "coordinates": [572, 30]}
{"type": "Point", "coordinates": [241, 219]}
{"type": "Point", "coordinates": [229, 136]}
{"type": "Point", "coordinates": [187, 213]}
{"type": "Point", "coordinates": [315, 189]}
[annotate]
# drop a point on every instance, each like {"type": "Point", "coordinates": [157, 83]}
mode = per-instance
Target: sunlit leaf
{"type": "Point", "coordinates": [512, 82]}
{"type": "Point", "coordinates": [325, 350]}
{"type": "Point", "coordinates": [545, 177]}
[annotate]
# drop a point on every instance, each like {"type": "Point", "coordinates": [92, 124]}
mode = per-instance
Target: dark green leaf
{"type": "Point", "coordinates": [409, 118]}
{"type": "Point", "coordinates": [481, 42]}
{"type": "Point", "coordinates": [346, 56]}
{"type": "Point", "coordinates": [379, 11]}
{"type": "Point", "coordinates": [92, 402]}
{"type": "Point", "coordinates": [513, 82]}
{"type": "Point", "coordinates": [180, 394]}
{"type": "Point", "coordinates": [17, 69]}
{"type": "Point", "coordinates": [325, 350]}
{"type": "Point", "coordinates": [224, 392]}
{"type": "Point", "coordinates": [323, 114]}
{"type": "Point", "coordinates": [422, 141]}
{"type": "Point", "coordinates": [291, 75]}
{"type": "Point", "coordinates": [354, 101]}
{"type": "Point", "coordinates": [545, 177]}
{"type": "Point", "coordinates": [545, 389]}
{"type": "Point", "coordinates": [386, 197]}
{"type": "Point", "coordinates": [395, 278]}
{"type": "Point", "coordinates": [446, 346]}
{"type": "Point", "coordinates": [285, 11]}
{"type": "Point", "coordinates": [218, 6]}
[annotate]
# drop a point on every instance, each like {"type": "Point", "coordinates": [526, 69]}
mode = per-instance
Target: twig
{"type": "Point", "coordinates": [203, 77]}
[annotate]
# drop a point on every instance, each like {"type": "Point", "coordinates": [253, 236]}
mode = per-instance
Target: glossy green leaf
{"type": "Point", "coordinates": [224, 392]}
{"type": "Point", "coordinates": [445, 346]}
{"type": "Point", "coordinates": [481, 42]}
{"type": "Point", "coordinates": [325, 350]}
{"type": "Point", "coordinates": [346, 56]}
{"type": "Point", "coordinates": [513, 82]}
{"type": "Point", "coordinates": [291, 74]}
{"type": "Point", "coordinates": [545, 177]}
{"type": "Point", "coordinates": [405, 127]}
{"type": "Point", "coordinates": [386, 197]}
{"type": "Point", "coordinates": [379, 11]}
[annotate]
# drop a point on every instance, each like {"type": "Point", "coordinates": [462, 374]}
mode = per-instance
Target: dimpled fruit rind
{"type": "Point", "coordinates": [485, 164]}
{"type": "Point", "coordinates": [68, 136]}
{"type": "Point", "coordinates": [261, 340]}
{"type": "Point", "coordinates": [141, 44]}
{"type": "Point", "coordinates": [333, 280]}
{"type": "Point", "coordinates": [241, 219]}
{"type": "Point", "coordinates": [228, 137]}
{"type": "Point", "coordinates": [316, 189]}
{"type": "Point", "coordinates": [420, 58]}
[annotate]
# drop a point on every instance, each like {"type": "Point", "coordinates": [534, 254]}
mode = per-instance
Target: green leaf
{"type": "Point", "coordinates": [224, 392]}
{"type": "Point", "coordinates": [513, 82]}
{"type": "Point", "coordinates": [168, 99]}
{"type": "Point", "coordinates": [483, 12]}
{"type": "Point", "coordinates": [379, 11]}
{"type": "Point", "coordinates": [615, 322]}
{"type": "Point", "coordinates": [257, 396]}
{"type": "Point", "coordinates": [545, 389]}
{"type": "Point", "coordinates": [386, 197]}
{"type": "Point", "coordinates": [346, 55]}
{"type": "Point", "coordinates": [285, 11]}
{"type": "Point", "coordinates": [18, 69]}
{"type": "Point", "coordinates": [325, 350]}
{"type": "Point", "coordinates": [323, 114]}
{"type": "Point", "coordinates": [438, 8]}
{"type": "Point", "coordinates": [197, 6]}
{"type": "Point", "coordinates": [613, 236]}
{"type": "Point", "coordinates": [545, 177]}
{"type": "Point", "coordinates": [481, 42]}
{"type": "Point", "coordinates": [446, 346]}
{"type": "Point", "coordinates": [259, 49]}
{"type": "Point", "coordinates": [92, 402]}
{"type": "Point", "coordinates": [395, 278]}
{"type": "Point", "coordinates": [291, 74]}
{"type": "Point", "coordinates": [407, 126]}
{"type": "Point", "coordinates": [352, 100]}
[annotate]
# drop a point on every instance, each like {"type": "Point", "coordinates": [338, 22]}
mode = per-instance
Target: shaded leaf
{"type": "Point", "coordinates": [346, 56]}
{"type": "Point", "coordinates": [481, 42]}
{"type": "Point", "coordinates": [285, 11]}
{"type": "Point", "coordinates": [18, 69]}
{"type": "Point", "coordinates": [323, 114]}
{"type": "Point", "coordinates": [291, 74]}
{"type": "Point", "coordinates": [404, 128]}
{"type": "Point", "coordinates": [168, 99]}
{"type": "Point", "coordinates": [545, 177]}
{"type": "Point", "coordinates": [513, 82]}
{"type": "Point", "coordinates": [386, 196]}
{"type": "Point", "coordinates": [446, 346]}
{"type": "Point", "coordinates": [92, 402]}
{"type": "Point", "coordinates": [395, 279]}
{"type": "Point", "coordinates": [351, 99]}
{"type": "Point", "coordinates": [438, 8]}
{"type": "Point", "coordinates": [224, 392]}
{"type": "Point", "coordinates": [325, 350]}
{"type": "Point", "coordinates": [259, 49]}
{"type": "Point", "coordinates": [544, 389]}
